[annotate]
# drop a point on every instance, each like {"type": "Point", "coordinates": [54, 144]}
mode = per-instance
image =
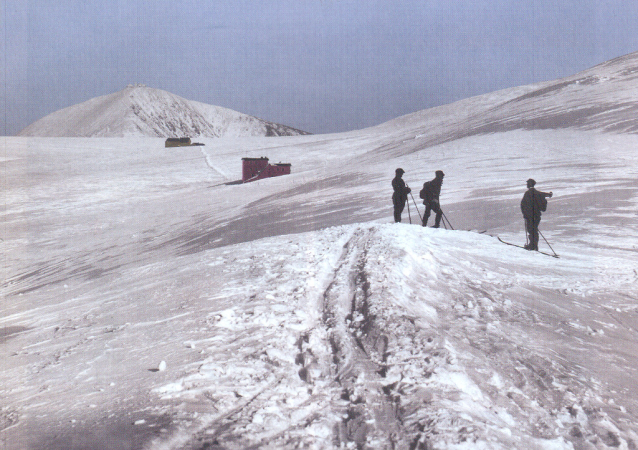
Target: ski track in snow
{"type": "Point", "coordinates": [212, 166]}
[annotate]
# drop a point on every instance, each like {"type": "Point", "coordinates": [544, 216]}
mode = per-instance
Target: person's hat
{"type": "Point", "coordinates": [439, 173]}
{"type": "Point", "coordinates": [530, 182]}
{"type": "Point", "coordinates": [400, 170]}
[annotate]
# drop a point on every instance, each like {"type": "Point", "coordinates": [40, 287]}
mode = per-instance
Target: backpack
{"type": "Point", "coordinates": [425, 192]}
{"type": "Point", "coordinates": [542, 203]}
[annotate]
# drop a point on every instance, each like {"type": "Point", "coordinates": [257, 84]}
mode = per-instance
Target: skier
{"type": "Point", "coordinates": [430, 195]}
{"type": "Point", "coordinates": [533, 204]}
{"type": "Point", "coordinates": [400, 194]}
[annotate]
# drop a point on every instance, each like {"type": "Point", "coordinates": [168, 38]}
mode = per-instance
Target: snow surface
{"type": "Point", "coordinates": [151, 302]}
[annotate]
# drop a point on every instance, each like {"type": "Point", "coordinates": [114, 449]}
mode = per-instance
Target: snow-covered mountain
{"type": "Point", "coordinates": [143, 111]}
{"type": "Point", "coordinates": [149, 302]}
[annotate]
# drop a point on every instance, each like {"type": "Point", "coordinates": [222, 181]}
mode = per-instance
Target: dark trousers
{"type": "Point", "coordinates": [398, 209]}
{"type": "Point", "coordinates": [429, 207]}
{"type": "Point", "coordinates": [531, 225]}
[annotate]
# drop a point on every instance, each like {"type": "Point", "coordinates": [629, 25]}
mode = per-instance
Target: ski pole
{"type": "Point", "coordinates": [442, 217]}
{"type": "Point", "coordinates": [539, 232]}
{"type": "Point", "coordinates": [417, 208]}
{"type": "Point", "coordinates": [448, 221]}
{"type": "Point", "coordinates": [408, 201]}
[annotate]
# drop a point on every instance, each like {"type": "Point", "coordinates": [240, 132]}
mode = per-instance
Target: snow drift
{"type": "Point", "coordinates": [142, 111]}
{"type": "Point", "coordinates": [150, 302]}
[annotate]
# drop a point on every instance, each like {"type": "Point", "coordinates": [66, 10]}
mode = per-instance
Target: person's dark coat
{"type": "Point", "coordinates": [430, 194]}
{"type": "Point", "coordinates": [533, 204]}
{"type": "Point", "coordinates": [401, 191]}
{"type": "Point", "coordinates": [399, 196]}
{"type": "Point", "coordinates": [432, 190]}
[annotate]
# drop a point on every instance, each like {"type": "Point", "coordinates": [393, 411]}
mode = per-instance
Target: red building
{"type": "Point", "coordinates": [258, 168]}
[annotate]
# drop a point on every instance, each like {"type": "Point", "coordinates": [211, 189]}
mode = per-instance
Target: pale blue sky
{"type": "Point", "coordinates": [318, 65]}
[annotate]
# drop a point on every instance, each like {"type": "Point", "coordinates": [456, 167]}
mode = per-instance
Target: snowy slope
{"type": "Point", "coordinates": [291, 313]}
{"type": "Point", "coordinates": [604, 97]}
{"type": "Point", "coordinates": [142, 111]}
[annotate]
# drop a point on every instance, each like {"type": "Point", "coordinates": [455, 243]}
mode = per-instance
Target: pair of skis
{"type": "Point", "coordinates": [520, 246]}
{"type": "Point", "coordinates": [554, 255]}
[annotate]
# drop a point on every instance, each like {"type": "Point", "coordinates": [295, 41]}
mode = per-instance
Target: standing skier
{"type": "Point", "coordinates": [400, 194]}
{"type": "Point", "coordinates": [533, 204]}
{"type": "Point", "coordinates": [430, 195]}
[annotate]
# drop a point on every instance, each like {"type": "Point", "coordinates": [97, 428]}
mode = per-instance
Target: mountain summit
{"type": "Point", "coordinates": [139, 110]}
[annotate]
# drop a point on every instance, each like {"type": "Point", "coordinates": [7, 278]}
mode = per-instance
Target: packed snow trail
{"type": "Point", "coordinates": [359, 352]}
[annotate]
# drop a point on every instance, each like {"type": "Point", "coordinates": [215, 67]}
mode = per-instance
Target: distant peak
{"type": "Point", "coordinates": [144, 111]}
